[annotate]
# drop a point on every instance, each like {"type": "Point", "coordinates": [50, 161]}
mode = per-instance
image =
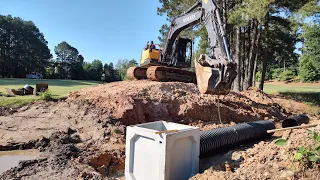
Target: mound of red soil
{"type": "Point", "coordinates": [142, 101]}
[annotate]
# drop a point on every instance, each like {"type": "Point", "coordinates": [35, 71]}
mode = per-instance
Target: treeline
{"type": "Point", "coordinates": [24, 50]}
{"type": "Point", "coordinates": [262, 36]}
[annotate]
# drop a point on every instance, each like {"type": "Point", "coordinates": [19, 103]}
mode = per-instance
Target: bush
{"type": "Point", "coordinates": [308, 156]}
{"type": "Point", "coordinates": [258, 76]}
{"type": "Point", "coordinates": [275, 73]}
{"type": "Point", "coordinates": [287, 75]}
{"type": "Point", "coordinates": [46, 95]}
{"type": "Point", "coordinates": [309, 69]}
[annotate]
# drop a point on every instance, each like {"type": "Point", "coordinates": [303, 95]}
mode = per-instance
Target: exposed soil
{"type": "Point", "coordinates": [84, 136]}
{"type": "Point", "coordinates": [263, 160]}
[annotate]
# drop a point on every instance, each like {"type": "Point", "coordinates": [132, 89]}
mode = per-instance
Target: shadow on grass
{"type": "Point", "coordinates": [312, 98]}
{"type": "Point", "coordinates": [51, 82]}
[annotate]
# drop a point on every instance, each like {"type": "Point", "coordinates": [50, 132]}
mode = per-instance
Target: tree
{"type": "Point", "coordinates": [310, 59]}
{"type": "Point", "coordinates": [122, 66]}
{"type": "Point", "coordinates": [260, 37]}
{"type": "Point", "coordinates": [23, 48]}
{"type": "Point", "coordinates": [96, 69]}
{"type": "Point", "coordinates": [87, 71]}
{"type": "Point", "coordinates": [109, 73]}
{"type": "Point", "coordinates": [70, 62]}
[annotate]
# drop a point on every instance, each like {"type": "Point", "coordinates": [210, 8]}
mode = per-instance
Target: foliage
{"type": "Point", "coordinates": [287, 75]}
{"type": "Point", "coordinates": [276, 73]}
{"type": "Point", "coordinates": [310, 59]}
{"type": "Point", "coordinates": [46, 95]}
{"type": "Point", "coordinates": [266, 33]}
{"type": "Point", "coordinates": [309, 156]}
{"type": "Point", "coordinates": [69, 62]}
{"type": "Point", "coordinates": [23, 48]}
{"type": "Point", "coordinates": [281, 142]}
{"type": "Point", "coordinates": [109, 73]}
{"type": "Point", "coordinates": [93, 70]}
{"type": "Point", "coordinates": [122, 66]}
{"type": "Point", "coordinates": [258, 76]}
{"type": "Point", "coordinates": [247, 10]}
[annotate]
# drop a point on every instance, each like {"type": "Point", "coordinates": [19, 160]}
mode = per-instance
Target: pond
{"type": "Point", "coordinates": [9, 159]}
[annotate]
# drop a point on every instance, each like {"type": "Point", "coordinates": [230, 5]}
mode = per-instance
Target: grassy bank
{"type": "Point", "coordinates": [58, 88]}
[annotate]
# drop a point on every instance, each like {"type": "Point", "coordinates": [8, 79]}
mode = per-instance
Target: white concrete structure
{"type": "Point", "coordinates": [165, 156]}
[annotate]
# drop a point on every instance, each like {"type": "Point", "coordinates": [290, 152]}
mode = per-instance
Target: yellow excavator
{"type": "Point", "coordinates": [214, 72]}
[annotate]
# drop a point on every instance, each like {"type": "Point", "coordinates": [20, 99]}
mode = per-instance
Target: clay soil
{"type": "Point", "coordinates": [83, 137]}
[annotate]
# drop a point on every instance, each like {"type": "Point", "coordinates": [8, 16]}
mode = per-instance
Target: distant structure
{"type": "Point", "coordinates": [34, 75]}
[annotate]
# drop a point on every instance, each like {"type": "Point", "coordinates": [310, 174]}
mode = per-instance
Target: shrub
{"type": "Point", "coordinates": [258, 76]}
{"type": "Point", "coordinates": [275, 73]}
{"type": "Point", "coordinates": [287, 75]}
{"type": "Point", "coordinates": [46, 95]}
{"type": "Point", "coordinates": [309, 156]}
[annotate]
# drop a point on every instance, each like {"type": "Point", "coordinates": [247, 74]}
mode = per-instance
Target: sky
{"type": "Point", "coordinates": [107, 30]}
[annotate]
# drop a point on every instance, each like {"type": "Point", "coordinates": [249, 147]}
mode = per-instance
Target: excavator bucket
{"type": "Point", "coordinates": [214, 76]}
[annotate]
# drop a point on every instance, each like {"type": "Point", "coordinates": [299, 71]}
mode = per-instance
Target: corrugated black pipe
{"type": "Point", "coordinates": [295, 121]}
{"type": "Point", "coordinates": [217, 140]}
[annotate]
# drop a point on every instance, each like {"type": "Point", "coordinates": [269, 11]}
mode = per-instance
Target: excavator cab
{"type": "Point", "coordinates": [182, 53]}
{"type": "Point", "coordinates": [150, 55]}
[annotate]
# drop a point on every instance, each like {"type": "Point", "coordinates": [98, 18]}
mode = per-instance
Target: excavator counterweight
{"type": "Point", "coordinates": [214, 73]}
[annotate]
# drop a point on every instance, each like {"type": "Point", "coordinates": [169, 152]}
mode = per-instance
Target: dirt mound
{"type": "Point", "coordinates": [85, 135]}
{"type": "Point", "coordinates": [257, 95]}
{"type": "Point", "coordinates": [133, 102]}
{"type": "Point", "coordinates": [263, 160]}
{"type": "Point", "coordinates": [71, 133]}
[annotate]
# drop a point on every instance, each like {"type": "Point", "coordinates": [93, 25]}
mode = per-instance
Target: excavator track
{"type": "Point", "coordinates": [167, 74]}
{"type": "Point", "coordinates": [136, 73]}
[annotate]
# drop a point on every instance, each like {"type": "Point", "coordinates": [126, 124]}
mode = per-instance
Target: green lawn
{"type": "Point", "coordinates": [58, 89]}
{"type": "Point", "coordinates": [273, 89]}
{"type": "Point", "coordinates": [303, 92]}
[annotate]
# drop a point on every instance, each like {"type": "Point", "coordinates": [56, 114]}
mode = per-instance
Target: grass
{"type": "Point", "coordinates": [274, 89]}
{"type": "Point", "coordinates": [302, 92]}
{"type": "Point", "coordinates": [58, 89]}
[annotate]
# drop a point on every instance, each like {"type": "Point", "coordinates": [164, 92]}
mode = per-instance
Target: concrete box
{"type": "Point", "coordinates": [151, 155]}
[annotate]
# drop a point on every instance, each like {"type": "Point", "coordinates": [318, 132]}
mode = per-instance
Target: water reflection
{"type": "Point", "coordinates": [9, 159]}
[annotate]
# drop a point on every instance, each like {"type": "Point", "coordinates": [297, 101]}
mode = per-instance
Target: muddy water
{"type": "Point", "coordinates": [9, 159]}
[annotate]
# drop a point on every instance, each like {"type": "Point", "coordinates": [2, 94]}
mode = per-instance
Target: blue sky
{"type": "Point", "coordinates": [102, 29]}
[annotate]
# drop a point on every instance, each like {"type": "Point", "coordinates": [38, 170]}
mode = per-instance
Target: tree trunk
{"type": "Point", "coordinates": [248, 50]}
{"type": "Point", "coordinates": [253, 51]}
{"type": "Point", "coordinates": [247, 59]}
{"type": "Point", "coordinates": [237, 80]}
{"type": "Point", "coordinates": [243, 52]}
{"type": "Point", "coordinates": [256, 56]}
{"type": "Point", "coordinates": [265, 58]}
{"type": "Point", "coordinates": [255, 69]}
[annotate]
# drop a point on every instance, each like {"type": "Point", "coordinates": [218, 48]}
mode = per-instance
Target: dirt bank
{"type": "Point", "coordinates": [84, 136]}
{"type": "Point", "coordinates": [263, 160]}
{"type": "Point", "coordinates": [144, 101]}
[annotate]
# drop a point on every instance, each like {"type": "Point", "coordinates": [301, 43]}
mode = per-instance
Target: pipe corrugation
{"type": "Point", "coordinates": [216, 140]}
{"type": "Point", "coordinates": [295, 121]}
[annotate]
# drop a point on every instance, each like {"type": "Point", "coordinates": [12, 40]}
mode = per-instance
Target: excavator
{"type": "Point", "coordinates": [214, 72]}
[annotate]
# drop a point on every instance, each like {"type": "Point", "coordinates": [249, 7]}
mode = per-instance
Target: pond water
{"type": "Point", "coordinates": [9, 159]}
